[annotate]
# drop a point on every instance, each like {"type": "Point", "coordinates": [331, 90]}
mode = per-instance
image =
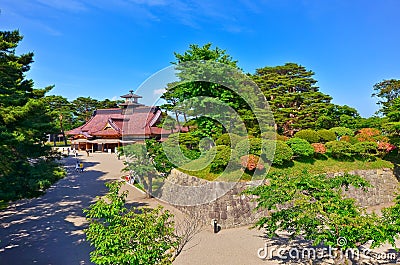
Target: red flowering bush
{"type": "Point", "coordinates": [386, 147]}
{"type": "Point", "coordinates": [369, 131]}
{"type": "Point", "coordinates": [367, 134]}
{"type": "Point", "coordinates": [319, 148]}
{"type": "Point", "coordinates": [251, 162]}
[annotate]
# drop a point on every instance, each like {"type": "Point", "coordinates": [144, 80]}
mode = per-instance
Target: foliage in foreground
{"type": "Point", "coordinates": [124, 235]}
{"type": "Point", "coordinates": [313, 206]}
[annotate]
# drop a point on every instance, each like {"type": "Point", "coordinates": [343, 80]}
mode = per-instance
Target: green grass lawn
{"type": "Point", "coordinates": [313, 166]}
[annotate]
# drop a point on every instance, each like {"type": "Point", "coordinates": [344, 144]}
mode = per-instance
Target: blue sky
{"type": "Point", "coordinates": [104, 48]}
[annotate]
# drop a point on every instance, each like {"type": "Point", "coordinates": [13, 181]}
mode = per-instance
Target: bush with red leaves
{"type": "Point", "coordinates": [386, 147]}
{"type": "Point", "coordinates": [251, 162]}
{"type": "Point", "coordinates": [319, 148]}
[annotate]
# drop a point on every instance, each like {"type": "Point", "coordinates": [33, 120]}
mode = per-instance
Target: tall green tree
{"type": "Point", "coordinates": [83, 108]}
{"type": "Point", "coordinates": [201, 76]}
{"type": "Point", "coordinates": [59, 108]}
{"type": "Point", "coordinates": [25, 162]}
{"type": "Point", "coordinates": [386, 91]}
{"type": "Point", "coordinates": [333, 115]}
{"type": "Point", "coordinates": [393, 115]}
{"type": "Point", "coordinates": [388, 94]}
{"type": "Point", "coordinates": [293, 96]}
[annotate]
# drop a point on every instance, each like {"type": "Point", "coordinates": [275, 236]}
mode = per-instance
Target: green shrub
{"type": "Point", "coordinates": [326, 135]}
{"type": "Point", "coordinates": [249, 146]}
{"type": "Point", "coordinates": [349, 139]}
{"type": "Point", "coordinates": [281, 137]}
{"type": "Point", "coordinates": [228, 139]}
{"type": "Point", "coordinates": [340, 131]}
{"type": "Point", "coordinates": [365, 149]}
{"type": "Point", "coordinates": [339, 149]}
{"type": "Point", "coordinates": [300, 147]}
{"type": "Point", "coordinates": [223, 154]}
{"type": "Point", "coordinates": [309, 135]}
{"type": "Point", "coordinates": [269, 135]}
{"type": "Point", "coordinates": [277, 152]}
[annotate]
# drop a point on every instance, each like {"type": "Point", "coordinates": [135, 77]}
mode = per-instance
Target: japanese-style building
{"type": "Point", "coordinates": [111, 128]}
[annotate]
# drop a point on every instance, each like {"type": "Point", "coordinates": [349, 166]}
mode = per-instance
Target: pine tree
{"type": "Point", "coordinates": [25, 162]}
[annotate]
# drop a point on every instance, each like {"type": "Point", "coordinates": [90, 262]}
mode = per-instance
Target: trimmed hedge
{"type": "Point", "coordinates": [283, 153]}
{"type": "Point", "coordinates": [223, 154]}
{"type": "Point", "coordinates": [326, 135]}
{"type": "Point", "coordinates": [309, 135]}
{"type": "Point", "coordinates": [366, 149]}
{"type": "Point", "coordinates": [340, 131]}
{"type": "Point", "coordinates": [300, 147]}
{"type": "Point", "coordinates": [229, 139]}
{"type": "Point", "coordinates": [269, 135]}
{"type": "Point", "coordinates": [339, 149]}
{"type": "Point", "coordinates": [249, 146]}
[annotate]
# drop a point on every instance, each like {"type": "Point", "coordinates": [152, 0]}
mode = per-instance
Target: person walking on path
{"type": "Point", "coordinates": [81, 166]}
{"type": "Point", "coordinates": [77, 166]}
{"type": "Point", "coordinates": [87, 152]}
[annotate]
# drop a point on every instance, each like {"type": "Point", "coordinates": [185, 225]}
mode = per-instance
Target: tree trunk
{"type": "Point", "coordinates": [150, 186]}
{"type": "Point", "coordinates": [177, 120]}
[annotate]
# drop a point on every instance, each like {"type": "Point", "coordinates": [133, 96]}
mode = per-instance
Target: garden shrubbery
{"type": "Point", "coordinates": [300, 147]}
{"type": "Point", "coordinates": [309, 135]}
{"type": "Point", "coordinates": [269, 135]}
{"type": "Point", "coordinates": [319, 148]}
{"type": "Point", "coordinates": [366, 149]}
{"type": "Point", "coordinates": [229, 139]}
{"type": "Point", "coordinates": [249, 146]}
{"type": "Point", "coordinates": [283, 153]}
{"type": "Point", "coordinates": [340, 131]}
{"type": "Point", "coordinates": [340, 149]}
{"type": "Point", "coordinates": [252, 162]}
{"type": "Point", "coordinates": [326, 135]}
{"type": "Point", "coordinates": [223, 155]}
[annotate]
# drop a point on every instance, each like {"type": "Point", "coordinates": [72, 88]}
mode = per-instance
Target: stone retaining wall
{"type": "Point", "coordinates": [234, 209]}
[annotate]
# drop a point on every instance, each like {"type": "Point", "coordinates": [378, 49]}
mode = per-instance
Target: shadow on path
{"type": "Point", "coordinates": [48, 229]}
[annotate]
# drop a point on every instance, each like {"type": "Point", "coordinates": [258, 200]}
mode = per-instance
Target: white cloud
{"type": "Point", "coordinates": [159, 91]}
{"type": "Point", "coordinates": [70, 5]}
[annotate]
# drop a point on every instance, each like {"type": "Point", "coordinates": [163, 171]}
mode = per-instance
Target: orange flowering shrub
{"type": "Point", "coordinates": [367, 134]}
{"type": "Point", "coordinates": [251, 162]}
{"type": "Point", "coordinates": [319, 148]}
{"type": "Point", "coordinates": [369, 131]}
{"type": "Point", "coordinates": [345, 138]}
{"type": "Point", "coordinates": [386, 147]}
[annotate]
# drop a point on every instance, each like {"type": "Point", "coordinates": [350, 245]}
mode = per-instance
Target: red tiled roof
{"type": "Point", "coordinates": [112, 122]}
